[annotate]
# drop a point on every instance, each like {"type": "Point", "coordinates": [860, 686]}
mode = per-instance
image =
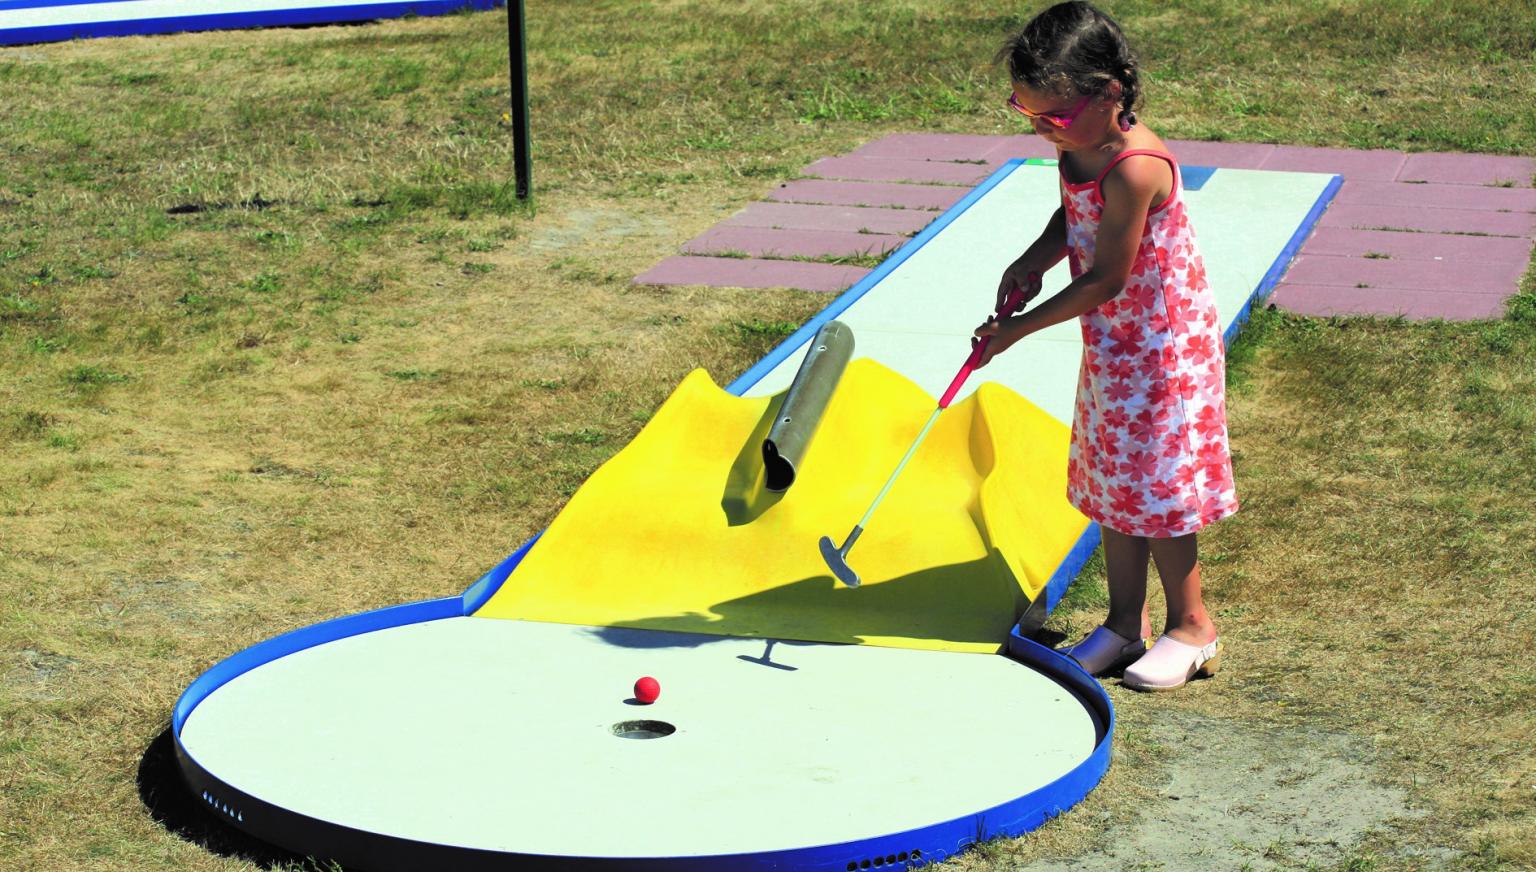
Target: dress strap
{"type": "Point", "coordinates": [1132, 153]}
{"type": "Point", "coordinates": [1173, 164]}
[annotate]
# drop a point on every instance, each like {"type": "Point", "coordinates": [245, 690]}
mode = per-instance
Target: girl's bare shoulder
{"type": "Point", "coordinates": [1142, 137]}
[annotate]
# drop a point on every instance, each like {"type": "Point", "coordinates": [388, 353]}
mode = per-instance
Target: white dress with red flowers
{"type": "Point", "coordinates": [1149, 453]}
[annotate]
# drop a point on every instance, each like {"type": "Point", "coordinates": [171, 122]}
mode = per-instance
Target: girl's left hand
{"type": "Point", "coordinates": [1002, 333]}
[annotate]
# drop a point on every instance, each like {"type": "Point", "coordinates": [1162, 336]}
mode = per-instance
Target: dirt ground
{"type": "Point", "coordinates": [1234, 795]}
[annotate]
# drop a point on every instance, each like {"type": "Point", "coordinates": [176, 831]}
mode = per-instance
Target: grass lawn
{"type": "Point", "coordinates": [278, 344]}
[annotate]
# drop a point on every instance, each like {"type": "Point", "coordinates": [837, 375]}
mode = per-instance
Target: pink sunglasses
{"type": "Point", "coordinates": [1061, 120]}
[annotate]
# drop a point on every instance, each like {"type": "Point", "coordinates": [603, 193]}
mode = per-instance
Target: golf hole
{"type": "Point", "coordinates": [643, 729]}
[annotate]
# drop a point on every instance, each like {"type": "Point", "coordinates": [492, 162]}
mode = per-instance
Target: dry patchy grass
{"type": "Point", "coordinates": [279, 345]}
{"type": "Point", "coordinates": [1375, 584]}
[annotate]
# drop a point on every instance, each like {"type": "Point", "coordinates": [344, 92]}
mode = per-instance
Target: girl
{"type": "Point", "coordinates": [1149, 459]}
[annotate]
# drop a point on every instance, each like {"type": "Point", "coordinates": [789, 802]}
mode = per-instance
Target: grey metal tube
{"type": "Point", "coordinates": [805, 401]}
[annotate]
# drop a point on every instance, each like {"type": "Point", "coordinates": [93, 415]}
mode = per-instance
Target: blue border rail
{"type": "Point", "coordinates": [319, 13]}
{"type": "Point", "coordinates": [918, 846]}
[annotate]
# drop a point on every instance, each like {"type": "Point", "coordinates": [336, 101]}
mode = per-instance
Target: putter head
{"type": "Point", "coordinates": [838, 563]}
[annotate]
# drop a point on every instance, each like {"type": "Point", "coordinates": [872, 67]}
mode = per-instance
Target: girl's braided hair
{"type": "Point", "coordinates": [1075, 44]}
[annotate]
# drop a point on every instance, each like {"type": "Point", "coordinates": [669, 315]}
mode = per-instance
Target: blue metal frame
{"type": "Point", "coordinates": [915, 847]}
{"type": "Point", "coordinates": [317, 14]}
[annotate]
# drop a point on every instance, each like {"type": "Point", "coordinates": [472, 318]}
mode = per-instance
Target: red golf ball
{"type": "Point", "coordinates": [647, 689]}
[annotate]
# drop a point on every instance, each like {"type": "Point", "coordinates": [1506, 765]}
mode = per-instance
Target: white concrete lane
{"type": "Point", "coordinates": [918, 319]}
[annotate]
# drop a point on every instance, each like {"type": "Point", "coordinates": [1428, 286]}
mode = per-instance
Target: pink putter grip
{"type": "Point", "coordinates": [1011, 305]}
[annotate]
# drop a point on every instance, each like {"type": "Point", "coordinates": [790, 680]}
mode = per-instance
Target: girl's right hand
{"type": "Point", "coordinates": [1018, 275]}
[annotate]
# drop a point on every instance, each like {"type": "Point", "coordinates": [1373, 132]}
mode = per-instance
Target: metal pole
{"type": "Point", "coordinates": [517, 52]}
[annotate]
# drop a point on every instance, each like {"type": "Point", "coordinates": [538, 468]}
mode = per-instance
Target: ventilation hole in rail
{"type": "Point", "coordinates": [915, 856]}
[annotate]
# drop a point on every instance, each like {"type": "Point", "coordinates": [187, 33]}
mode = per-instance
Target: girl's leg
{"type": "Point", "coordinates": [1178, 564]}
{"type": "Point", "coordinates": [1125, 565]}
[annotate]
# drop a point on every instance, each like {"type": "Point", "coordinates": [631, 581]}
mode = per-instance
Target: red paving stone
{"type": "Point", "coordinates": [955, 148]}
{"type": "Point", "coordinates": [1468, 169]}
{"type": "Point", "coordinates": [1468, 277]}
{"type": "Point", "coordinates": [1390, 302]}
{"type": "Point", "coordinates": [855, 219]}
{"type": "Point", "coordinates": [1479, 221]}
{"type": "Point", "coordinates": [930, 146]}
{"type": "Point", "coordinates": [1378, 165]}
{"type": "Point", "coordinates": [1417, 246]}
{"type": "Point", "coordinates": [884, 194]}
{"type": "Point", "coordinates": [891, 169]}
{"type": "Point", "coordinates": [1236, 155]}
{"type": "Point", "coordinates": [1463, 224]}
{"type": "Point", "coordinates": [730, 272]}
{"type": "Point", "coordinates": [771, 242]}
{"type": "Point", "coordinates": [1014, 147]}
{"type": "Point", "coordinates": [1422, 195]}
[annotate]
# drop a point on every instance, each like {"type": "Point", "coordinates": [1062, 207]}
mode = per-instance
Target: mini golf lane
{"type": "Point", "coordinates": [497, 738]}
{"type": "Point", "coordinates": [462, 733]}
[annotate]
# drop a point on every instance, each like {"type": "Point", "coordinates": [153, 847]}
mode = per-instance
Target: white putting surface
{"type": "Point", "coordinates": [499, 734]}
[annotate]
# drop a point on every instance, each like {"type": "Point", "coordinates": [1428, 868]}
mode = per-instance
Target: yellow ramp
{"type": "Point", "coordinates": [676, 532]}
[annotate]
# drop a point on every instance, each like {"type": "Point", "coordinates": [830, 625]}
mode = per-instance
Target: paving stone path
{"type": "Point", "coordinates": [1426, 235]}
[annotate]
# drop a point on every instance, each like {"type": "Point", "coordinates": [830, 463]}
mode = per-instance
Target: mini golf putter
{"type": "Point", "coordinates": [837, 557]}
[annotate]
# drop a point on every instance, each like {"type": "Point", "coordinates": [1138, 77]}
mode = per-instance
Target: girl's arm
{"type": "Point", "coordinates": [1045, 252]}
{"type": "Point", "coordinates": [1128, 193]}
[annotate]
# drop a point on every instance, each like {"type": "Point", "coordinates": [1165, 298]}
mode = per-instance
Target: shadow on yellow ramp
{"type": "Point", "coordinates": [676, 532]}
